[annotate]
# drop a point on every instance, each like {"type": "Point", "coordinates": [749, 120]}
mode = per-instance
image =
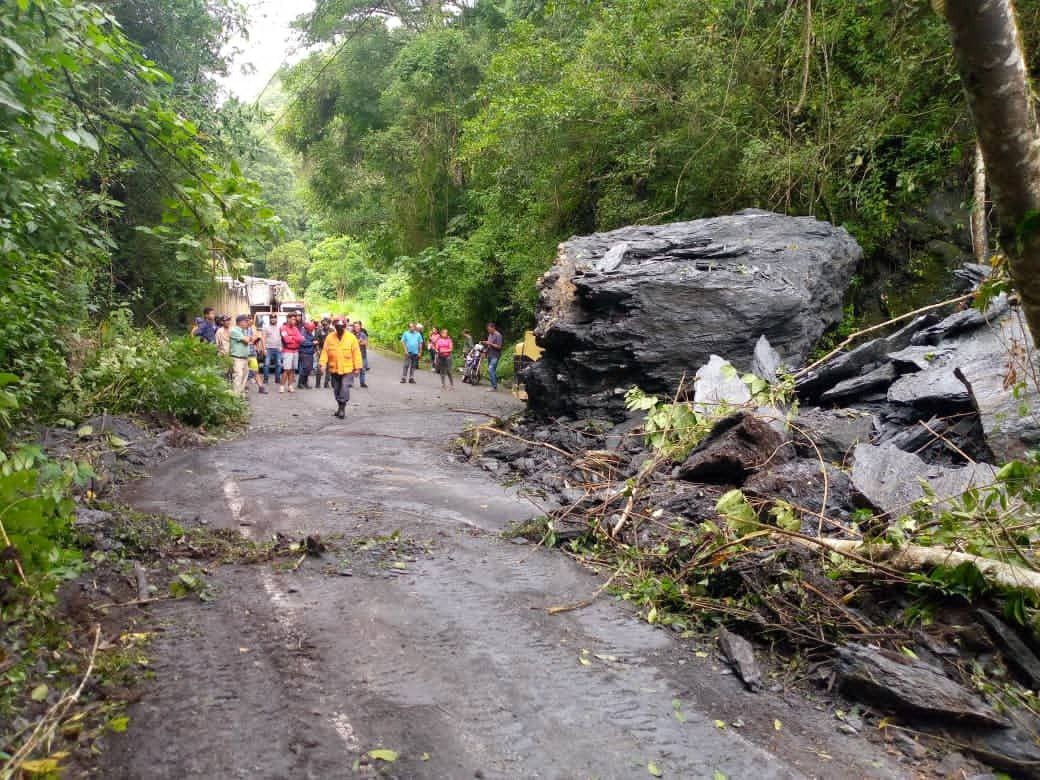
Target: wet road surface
{"type": "Point", "coordinates": [434, 643]}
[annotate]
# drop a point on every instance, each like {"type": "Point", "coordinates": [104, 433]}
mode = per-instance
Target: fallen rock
{"type": "Point", "coordinates": [935, 390]}
{"type": "Point", "coordinates": [913, 359]}
{"type": "Point", "coordinates": [944, 441]}
{"type": "Point", "coordinates": [89, 519]}
{"type": "Point", "coordinates": [766, 362]}
{"type": "Point", "coordinates": [889, 680]}
{"type": "Point", "coordinates": [954, 766]}
{"type": "Point", "coordinates": [961, 322]}
{"type": "Point", "coordinates": [834, 432]}
{"type": "Point", "coordinates": [740, 655]}
{"type": "Point", "coordinates": [1019, 656]}
{"type": "Point", "coordinates": [717, 385]}
{"type": "Point", "coordinates": [1013, 750]}
{"type": "Point", "coordinates": [1010, 415]}
{"type": "Point", "coordinates": [878, 379]}
{"type": "Point", "coordinates": [889, 480]}
{"type": "Point", "coordinates": [801, 483]}
{"type": "Point", "coordinates": [848, 364]}
{"type": "Point", "coordinates": [647, 305]}
{"type": "Point", "coordinates": [736, 446]}
{"type": "Point", "coordinates": [505, 449]}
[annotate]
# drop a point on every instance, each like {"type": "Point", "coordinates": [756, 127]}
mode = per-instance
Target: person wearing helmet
{"type": "Point", "coordinates": [341, 358]}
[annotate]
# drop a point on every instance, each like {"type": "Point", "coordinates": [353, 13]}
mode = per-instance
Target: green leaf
{"type": "Point", "coordinates": [41, 766]}
{"type": "Point", "coordinates": [84, 431]}
{"type": "Point", "coordinates": [653, 769]}
{"type": "Point", "coordinates": [733, 506]}
{"type": "Point", "coordinates": [118, 725]}
{"type": "Point", "coordinates": [382, 754]}
{"type": "Point", "coordinates": [39, 693]}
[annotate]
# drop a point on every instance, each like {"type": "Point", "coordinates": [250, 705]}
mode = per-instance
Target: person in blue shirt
{"type": "Point", "coordinates": [206, 327]}
{"type": "Point", "coordinates": [412, 341]}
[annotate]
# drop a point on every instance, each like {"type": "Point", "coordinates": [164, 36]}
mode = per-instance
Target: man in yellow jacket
{"type": "Point", "coordinates": [341, 359]}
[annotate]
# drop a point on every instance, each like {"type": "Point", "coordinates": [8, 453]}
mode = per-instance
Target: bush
{"type": "Point", "coordinates": [143, 372]}
{"type": "Point", "coordinates": [36, 512]}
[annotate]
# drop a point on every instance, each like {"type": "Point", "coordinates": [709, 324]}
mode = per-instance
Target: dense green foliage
{"type": "Point", "coordinates": [119, 192]}
{"type": "Point", "coordinates": [140, 371]}
{"type": "Point", "coordinates": [115, 188]}
{"type": "Point", "coordinates": [461, 146]}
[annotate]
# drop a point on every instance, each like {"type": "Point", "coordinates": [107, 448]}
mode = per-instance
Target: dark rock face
{"type": "Point", "coordinates": [647, 305]}
{"type": "Point", "coordinates": [736, 446]}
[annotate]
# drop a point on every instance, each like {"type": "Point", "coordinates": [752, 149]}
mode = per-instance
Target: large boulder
{"type": "Point", "coordinates": [648, 305]}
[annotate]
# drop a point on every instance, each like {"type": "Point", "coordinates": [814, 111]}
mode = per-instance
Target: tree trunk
{"type": "Point", "coordinates": [979, 228]}
{"type": "Point", "coordinates": [992, 67]}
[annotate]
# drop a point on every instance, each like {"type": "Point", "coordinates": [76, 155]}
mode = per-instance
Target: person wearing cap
{"type": "Point", "coordinates": [239, 349]}
{"type": "Point", "coordinates": [341, 358]}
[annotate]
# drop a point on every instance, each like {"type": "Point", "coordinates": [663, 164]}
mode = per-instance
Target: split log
{"type": "Point", "coordinates": [914, 557]}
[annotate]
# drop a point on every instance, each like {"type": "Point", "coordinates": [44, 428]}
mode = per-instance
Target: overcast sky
{"type": "Point", "coordinates": [271, 42]}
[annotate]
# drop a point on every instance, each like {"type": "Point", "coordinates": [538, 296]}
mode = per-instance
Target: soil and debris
{"type": "Point", "coordinates": [788, 530]}
{"type": "Point", "coordinates": [71, 661]}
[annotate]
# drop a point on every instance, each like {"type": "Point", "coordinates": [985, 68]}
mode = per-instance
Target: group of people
{"type": "Point", "coordinates": [333, 350]}
{"type": "Point", "coordinates": [441, 348]}
{"type": "Point", "coordinates": [288, 351]}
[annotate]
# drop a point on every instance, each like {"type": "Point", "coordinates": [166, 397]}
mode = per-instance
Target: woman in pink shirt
{"type": "Point", "coordinates": [444, 347]}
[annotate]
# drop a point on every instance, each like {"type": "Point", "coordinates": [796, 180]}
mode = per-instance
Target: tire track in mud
{"type": "Point", "coordinates": [453, 662]}
{"type": "Point", "coordinates": [522, 684]}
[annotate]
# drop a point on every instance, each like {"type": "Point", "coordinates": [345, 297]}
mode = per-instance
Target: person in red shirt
{"type": "Point", "coordinates": [445, 347]}
{"type": "Point", "coordinates": [291, 339]}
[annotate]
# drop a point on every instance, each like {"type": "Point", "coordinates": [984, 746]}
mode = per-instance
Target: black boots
{"type": "Point", "coordinates": [340, 413]}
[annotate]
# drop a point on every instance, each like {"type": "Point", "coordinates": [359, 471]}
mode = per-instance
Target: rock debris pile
{"type": "Point", "coordinates": [780, 520]}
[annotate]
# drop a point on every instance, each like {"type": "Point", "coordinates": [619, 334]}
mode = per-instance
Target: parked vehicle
{"type": "Point", "coordinates": [471, 368]}
{"type": "Point", "coordinates": [264, 314]}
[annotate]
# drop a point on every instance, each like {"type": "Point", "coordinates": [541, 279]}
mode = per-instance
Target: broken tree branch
{"type": "Point", "coordinates": [914, 557]}
{"type": "Point", "coordinates": [853, 336]}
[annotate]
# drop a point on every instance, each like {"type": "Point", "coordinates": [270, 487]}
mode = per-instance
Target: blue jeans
{"type": "Point", "coordinates": [273, 363]}
{"type": "Point", "coordinates": [493, 371]}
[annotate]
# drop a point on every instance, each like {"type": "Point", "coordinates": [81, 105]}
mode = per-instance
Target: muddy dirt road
{"type": "Point", "coordinates": [435, 643]}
